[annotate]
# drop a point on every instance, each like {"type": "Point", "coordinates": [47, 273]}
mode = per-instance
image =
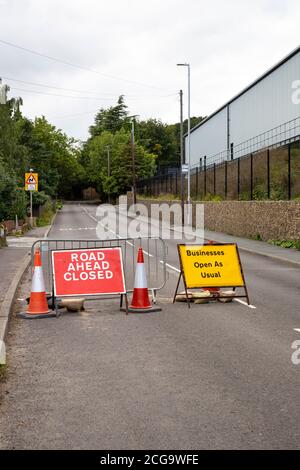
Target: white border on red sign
{"type": "Point", "coordinates": [90, 249]}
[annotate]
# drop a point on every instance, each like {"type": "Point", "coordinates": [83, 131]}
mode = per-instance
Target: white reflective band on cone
{"type": "Point", "coordinates": [140, 281]}
{"type": "Point", "coordinates": [38, 284]}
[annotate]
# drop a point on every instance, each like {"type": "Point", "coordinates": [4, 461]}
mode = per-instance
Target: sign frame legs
{"type": "Point", "coordinates": [185, 288]}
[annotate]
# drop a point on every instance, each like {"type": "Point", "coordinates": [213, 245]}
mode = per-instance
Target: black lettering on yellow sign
{"type": "Point", "coordinates": [210, 266]}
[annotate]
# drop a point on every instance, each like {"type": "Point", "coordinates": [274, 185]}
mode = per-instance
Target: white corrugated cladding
{"type": "Point", "coordinates": [210, 138]}
{"type": "Point", "coordinates": [265, 105]}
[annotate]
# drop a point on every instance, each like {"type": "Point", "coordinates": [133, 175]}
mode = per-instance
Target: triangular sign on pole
{"type": "Point", "coordinates": [31, 179]}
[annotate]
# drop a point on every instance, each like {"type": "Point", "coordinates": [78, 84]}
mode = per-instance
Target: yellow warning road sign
{"type": "Point", "coordinates": [211, 266]}
{"type": "Point", "coordinates": [31, 181]}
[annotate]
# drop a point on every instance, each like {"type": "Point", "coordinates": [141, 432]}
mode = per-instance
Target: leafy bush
{"type": "Point", "coordinates": [213, 198]}
{"type": "Point", "coordinates": [286, 243]}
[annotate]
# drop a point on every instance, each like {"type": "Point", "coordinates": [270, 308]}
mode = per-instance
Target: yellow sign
{"type": "Point", "coordinates": [31, 181]}
{"type": "Point", "coordinates": [211, 266]}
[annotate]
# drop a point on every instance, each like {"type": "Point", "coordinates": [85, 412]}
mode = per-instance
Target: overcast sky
{"type": "Point", "coordinates": [131, 47]}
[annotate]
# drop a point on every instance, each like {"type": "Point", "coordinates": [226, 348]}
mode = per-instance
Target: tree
{"type": "Point", "coordinates": [174, 129]}
{"type": "Point", "coordinates": [13, 200]}
{"type": "Point", "coordinates": [111, 119]}
{"type": "Point", "coordinates": [158, 138]}
{"type": "Point", "coordinates": [55, 157]}
{"type": "Point", "coordinates": [120, 178]}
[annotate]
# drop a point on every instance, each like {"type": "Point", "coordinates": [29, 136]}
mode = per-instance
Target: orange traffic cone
{"type": "Point", "coordinates": [140, 301]}
{"type": "Point", "coordinates": [38, 305]}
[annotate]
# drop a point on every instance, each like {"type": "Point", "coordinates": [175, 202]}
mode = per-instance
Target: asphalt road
{"type": "Point", "coordinates": [215, 376]}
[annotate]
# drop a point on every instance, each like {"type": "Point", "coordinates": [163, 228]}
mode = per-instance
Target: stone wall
{"type": "Point", "coordinates": [269, 220]}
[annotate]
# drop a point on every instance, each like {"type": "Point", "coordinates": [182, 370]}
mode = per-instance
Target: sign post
{"type": "Point", "coordinates": [88, 272]}
{"type": "Point", "coordinates": [211, 265]}
{"type": "Point", "coordinates": [31, 184]}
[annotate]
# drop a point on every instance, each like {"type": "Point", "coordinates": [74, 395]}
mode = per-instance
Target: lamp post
{"type": "Point", "coordinates": [189, 142]}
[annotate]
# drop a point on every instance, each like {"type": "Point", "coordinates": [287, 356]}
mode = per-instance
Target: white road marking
{"type": "Point", "coordinates": [297, 329]}
{"type": "Point", "coordinates": [170, 266]}
{"type": "Point", "coordinates": [104, 226]}
{"type": "Point", "coordinates": [244, 303]}
{"type": "Point", "coordinates": [21, 242]}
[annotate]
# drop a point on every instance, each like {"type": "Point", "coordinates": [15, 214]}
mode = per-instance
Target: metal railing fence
{"type": "Point", "coordinates": [154, 249]}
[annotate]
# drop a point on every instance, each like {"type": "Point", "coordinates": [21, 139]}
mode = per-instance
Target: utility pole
{"type": "Point", "coordinates": [108, 167]}
{"type": "Point", "coordinates": [133, 162]}
{"type": "Point", "coordinates": [181, 159]}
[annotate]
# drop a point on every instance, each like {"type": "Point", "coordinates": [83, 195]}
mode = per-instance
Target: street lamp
{"type": "Point", "coordinates": [189, 142]}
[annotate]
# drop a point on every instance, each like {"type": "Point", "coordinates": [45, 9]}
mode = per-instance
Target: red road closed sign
{"type": "Point", "coordinates": [88, 272]}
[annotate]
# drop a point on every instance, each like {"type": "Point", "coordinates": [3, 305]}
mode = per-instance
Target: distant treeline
{"type": "Point", "coordinates": [66, 166]}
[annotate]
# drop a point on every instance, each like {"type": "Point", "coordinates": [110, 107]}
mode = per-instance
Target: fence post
{"type": "Point", "coordinates": [268, 174]}
{"type": "Point", "coordinates": [225, 183]}
{"type": "Point", "coordinates": [289, 172]}
{"type": "Point", "coordinates": [204, 176]}
{"type": "Point", "coordinates": [238, 178]}
{"type": "Point", "coordinates": [214, 179]}
{"type": "Point", "coordinates": [251, 176]}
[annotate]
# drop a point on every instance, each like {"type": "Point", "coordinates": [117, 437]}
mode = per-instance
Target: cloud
{"type": "Point", "coordinates": [227, 43]}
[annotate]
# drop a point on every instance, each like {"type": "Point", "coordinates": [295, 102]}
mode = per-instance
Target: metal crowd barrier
{"type": "Point", "coordinates": [154, 248]}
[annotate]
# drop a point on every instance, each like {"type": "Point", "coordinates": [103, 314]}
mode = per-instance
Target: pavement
{"type": "Point", "coordinates": [288, 255]}
{"type": "Point", "coordinates": [217, 376]}
{"type": "Point", "coordinates": [14, 259]}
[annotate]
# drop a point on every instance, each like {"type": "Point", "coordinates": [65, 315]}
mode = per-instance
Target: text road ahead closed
{"type": "Point", "coordinates": [88, 272]}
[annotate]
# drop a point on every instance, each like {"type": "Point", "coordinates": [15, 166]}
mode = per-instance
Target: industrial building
{"type": "Point", "coordinates": [264, 114]}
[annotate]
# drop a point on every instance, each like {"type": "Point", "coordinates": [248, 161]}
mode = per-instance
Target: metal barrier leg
{"type": "Point", "coordinates": [153, 295]}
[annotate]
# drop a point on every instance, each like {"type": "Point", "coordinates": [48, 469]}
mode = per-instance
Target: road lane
{"type": "Point", "coordinates": [214, 376]}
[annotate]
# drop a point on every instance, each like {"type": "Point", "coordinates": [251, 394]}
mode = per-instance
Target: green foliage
{"type": "Point", "coordinates": [56, 158]}
{"type": "Point", "coordinates": [121, 173]}
{"type": "Point", "coordinates": [3, 372]}
{"type": "Point", "coordinates": [46, 217]}
{"type": "Point", "coordinates": [286, 243]}
{"type": "Point", "coordinates": [259, 193]}
{"type": "Point", "coordinates": [159, 139]}
{"type": "Point", "coordinates": [12, 199]}
{"type": "Point", "coordinates": [26, 144]}
{"type": "Point", "coordinates": [157, 145]}
{"type": "Point", "coordinates": [161, 197]}
{"type": "Point", "coordinates": [174, 130]}
{"type": "Point", "coordinates": [111, 119]}
{"type": "Point", "coordinates": [40, 198]}
{"type": "Point", "coordinates": [278, 191]}
{"type": "Point", "coordinates": [213, 198]}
